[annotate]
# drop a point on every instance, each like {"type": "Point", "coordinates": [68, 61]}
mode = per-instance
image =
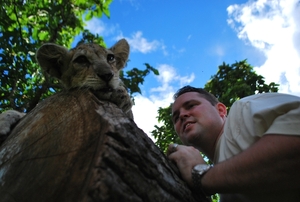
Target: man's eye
{"type": "Point", "coordinates": [191, 106]}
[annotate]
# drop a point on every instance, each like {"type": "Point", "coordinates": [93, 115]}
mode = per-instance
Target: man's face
{"type": "Point", "coordinates": [196, 120]}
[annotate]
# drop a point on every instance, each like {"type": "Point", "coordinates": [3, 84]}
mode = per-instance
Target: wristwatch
{"type": "Point", "coordinates": [197, 174]}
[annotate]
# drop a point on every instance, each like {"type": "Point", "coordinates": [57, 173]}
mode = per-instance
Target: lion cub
{"type": "Point", "coordinates": [89, 66]}
{"type": "Point", "coordinates": [85, 66]}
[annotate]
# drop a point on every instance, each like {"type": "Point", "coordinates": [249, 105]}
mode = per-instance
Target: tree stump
{"type": "Point", "coordinates": [74, 147]}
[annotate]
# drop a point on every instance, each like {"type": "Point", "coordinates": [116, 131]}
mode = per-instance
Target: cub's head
{"type": "Point", "coordinates": [86, 66]}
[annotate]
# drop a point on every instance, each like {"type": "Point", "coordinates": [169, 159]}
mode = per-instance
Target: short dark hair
{"type": "Point", "coordinates": [203, 93]}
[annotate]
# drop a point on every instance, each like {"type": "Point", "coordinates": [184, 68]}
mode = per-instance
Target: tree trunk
{"type": "Point", "coordinates": [74, 147]}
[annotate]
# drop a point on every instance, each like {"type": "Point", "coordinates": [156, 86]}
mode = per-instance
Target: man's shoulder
{"type": "Point", "coordinates": [270, 96]}
{"type": "Point", "coordinates": [265, 105]}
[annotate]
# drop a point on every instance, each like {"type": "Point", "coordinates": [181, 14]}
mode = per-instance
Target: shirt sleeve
{"type": "Point", "coordinates": [255, 116]}
{"type": "Point", "coordinates": [272, 113]}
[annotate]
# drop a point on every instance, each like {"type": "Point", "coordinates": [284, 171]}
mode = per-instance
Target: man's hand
{"type": "Point", "coordinates": [185, 157]}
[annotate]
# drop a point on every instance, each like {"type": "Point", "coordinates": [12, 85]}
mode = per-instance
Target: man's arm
{"type": "Point", "coordinates": [271, 164]}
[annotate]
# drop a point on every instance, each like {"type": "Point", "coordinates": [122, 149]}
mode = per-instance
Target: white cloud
{"type": "Point", "coordinates": [145, 108]}
{"type": "Point", "coordinates": [137, 42]}
{"type": "Point", "coordinates": [164, 50]}
{"type": "Point", "coordinates": [169, 78]}
{"type": "Point", "coordinates": [179, 50]}
{"type": "Point", "coordinates": [96, 26]}
{"type": "Point", "coordinates": [140, 44]}
{"type": "Point", "coordinates": [273, 27]}
{"type": "Point", "coordinates": [219, 50]}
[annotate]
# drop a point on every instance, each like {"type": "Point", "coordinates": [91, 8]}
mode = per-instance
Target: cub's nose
{"type": "Point", "coordinates": [106, 77]}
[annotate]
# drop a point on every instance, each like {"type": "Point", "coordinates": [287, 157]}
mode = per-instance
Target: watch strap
{"type": "Point", "coordinates": [196, 179]}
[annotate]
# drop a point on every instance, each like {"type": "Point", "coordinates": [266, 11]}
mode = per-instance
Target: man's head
{"type": "Point", "coordinates": [198, 118]}
{"type": "Point", "coordinates": [208, 96]}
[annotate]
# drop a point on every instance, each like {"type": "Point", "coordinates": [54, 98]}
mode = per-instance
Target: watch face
{"type": "Point", "coordinates": [201, 168]}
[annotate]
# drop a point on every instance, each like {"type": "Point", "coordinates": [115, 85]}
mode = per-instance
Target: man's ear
{"type": "Point", "coordinates": [222, 109]}
{"type": "Point", "coordinates": [121, 51]}
{"type": "Point", "coordinates": [51, 59]}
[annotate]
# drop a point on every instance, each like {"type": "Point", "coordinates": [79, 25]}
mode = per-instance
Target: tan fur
{"type": "Point", "coordinates": [89, 66]}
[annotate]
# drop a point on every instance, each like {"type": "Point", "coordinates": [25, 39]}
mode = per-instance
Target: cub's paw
{"type": "Point", "coordinates": [122, 99]}
{"type": "Point", "coordinates": [7, 120]}
{"type": "Point", "coordinates": [118, 96]}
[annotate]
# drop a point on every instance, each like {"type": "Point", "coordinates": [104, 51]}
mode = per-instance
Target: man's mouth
{"type": "Point", "coordinates": [186, 125]}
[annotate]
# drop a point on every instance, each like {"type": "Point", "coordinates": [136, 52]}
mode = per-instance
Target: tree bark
{"type": "Point", "coordinates": [74, 147]}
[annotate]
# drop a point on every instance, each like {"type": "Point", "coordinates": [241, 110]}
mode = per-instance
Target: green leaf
{"type": "Point", "coordinates": [88, 16]}
{"type": "Point", "coordinates": [43, 35]}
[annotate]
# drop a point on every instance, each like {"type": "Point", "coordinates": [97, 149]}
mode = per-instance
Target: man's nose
{"type": "Point", "coordinates": [184, 114]}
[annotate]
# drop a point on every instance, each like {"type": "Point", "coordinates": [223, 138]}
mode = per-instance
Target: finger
{"type": "Point", "coordinates": [172, 148]}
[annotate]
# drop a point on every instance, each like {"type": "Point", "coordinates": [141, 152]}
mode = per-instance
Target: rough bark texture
{"type": "Point", "coordinates": [73, 147]}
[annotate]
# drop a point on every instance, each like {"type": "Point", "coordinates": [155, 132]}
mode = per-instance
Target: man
{"type": "Point", "coordinates": [255, 150]}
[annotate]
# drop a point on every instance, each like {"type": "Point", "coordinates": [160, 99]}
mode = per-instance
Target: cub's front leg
{"type": "Point", "coordinates": [122, 99]}
{"type": "Point", "coordinates": [118, 96]}
{"type": "Point", "coordinates": [8, 119]}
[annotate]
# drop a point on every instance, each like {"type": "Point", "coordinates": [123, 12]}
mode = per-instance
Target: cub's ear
{"type": "Point", "coordinates": [51, 59]}
{"type": "Point", "coordinates": [121, 52]}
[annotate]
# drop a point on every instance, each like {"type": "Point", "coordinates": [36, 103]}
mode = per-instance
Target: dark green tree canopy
{"type": "Point", "coordinates": [232, 82]}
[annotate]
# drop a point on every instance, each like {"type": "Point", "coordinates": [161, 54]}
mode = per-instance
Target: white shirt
{"type": "Point", "coordinates": [252, 117]}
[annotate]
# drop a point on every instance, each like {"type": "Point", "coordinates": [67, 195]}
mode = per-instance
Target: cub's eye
{"type": "Point", "coordinates": [110, 58]}
{"type": "Point", "coordinates": [82, 60]}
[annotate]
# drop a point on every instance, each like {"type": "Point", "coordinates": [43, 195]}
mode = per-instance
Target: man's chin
{"type": "Point", "coordinates": [189, 139]}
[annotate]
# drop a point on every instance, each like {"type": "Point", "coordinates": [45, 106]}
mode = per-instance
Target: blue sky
{"type": "Point", "coordinates": [187, 41]}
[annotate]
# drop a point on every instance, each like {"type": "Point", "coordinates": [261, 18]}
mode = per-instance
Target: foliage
{"type": "Point", "coordinates": [25, 26]}
{"type": "Point", "coordinates": [236, 81]}
{"type": "Point", "coordinates": [133, 78]}
{"type": "Point", "coordinates": [165, 134]}
{"type": "Point", "coordinates": [231, 83]}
